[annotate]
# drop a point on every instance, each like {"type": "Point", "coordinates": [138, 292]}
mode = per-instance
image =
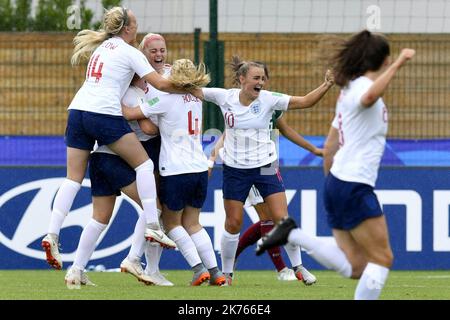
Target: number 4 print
{"type": "Point", "coordinates": [92, 72]}
{"type": "Point", "coordinates": [193, 128]}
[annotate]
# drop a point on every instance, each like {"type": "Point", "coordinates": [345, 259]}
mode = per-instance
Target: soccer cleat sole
{"type": "Point", "coordinates": [146, 282]}
{"type": "Point", "coordinates": [165, 246]}
{"type": "Point", "coordinates": [49, 257]}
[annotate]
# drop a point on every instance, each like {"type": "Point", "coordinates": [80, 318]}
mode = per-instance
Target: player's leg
{"type": "Point", "coordinates": [103, 208]}
{"type": "Point", "coordinates": [129, 148]}
{"type": "Point", "coordinates": [252, 233]}
{"type": "Point", "coordinates": [79, 145]}
{"type": "Point", "coordinates": [236, 186]}
{"type": "Point", "coordinates": [195, 187]}
{"type": "Point", "coordinates": [372, 236]}
{"type": "Point", "coordinates": [172, 197]}
{"type": "Point", "coordinates": [132, 263]}
{"type": "Point", "coordinates": [203, 244]}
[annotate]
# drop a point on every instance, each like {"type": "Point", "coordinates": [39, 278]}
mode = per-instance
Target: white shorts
{"type": "Point", "coordinates": [253, 198]}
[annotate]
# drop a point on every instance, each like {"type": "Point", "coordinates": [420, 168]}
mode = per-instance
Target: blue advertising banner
{"type": "Point", "coordinates": [416, 202]}
{"type": "Point", "coordinates": [51, 151]}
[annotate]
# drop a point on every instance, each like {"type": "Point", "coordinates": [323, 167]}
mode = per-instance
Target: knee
{"type": "Point", "coordinates": [147, 166]}
{"type": "Point", "coordinates": [192, 228]}
{"type": "Point", "coordinates": [386, 259]}
{"type": "Point", "coordinates": [233, 225]}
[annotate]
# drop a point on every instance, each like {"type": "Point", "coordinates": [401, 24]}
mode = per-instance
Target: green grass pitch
{"type": "Point", "coordinates": [247, 285]}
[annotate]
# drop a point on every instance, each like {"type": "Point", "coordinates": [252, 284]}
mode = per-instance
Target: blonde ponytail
{"type": "Point", "coordinates": [86, 41]}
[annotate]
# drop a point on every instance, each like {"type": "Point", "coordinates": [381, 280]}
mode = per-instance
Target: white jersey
{"type": "Point", "coordinates": [108, 75]}
{"type": "Point", "coordinates": [135, 97]}
{"type": "Point", "coordinates": [152, 93]}
{"type": "Point", "coordinates": [362, 134]}
{"type": "Point", "coordinates": [180, 125]}
{"type": "Point", "coordinates": [248, 141]}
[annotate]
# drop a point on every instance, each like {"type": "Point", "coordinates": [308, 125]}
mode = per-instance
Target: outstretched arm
{"type": "Point", "coordinates": [297, 102]}
{"type": "Point", "coordinates": [293, 136]}
{"type": "Point", "coordinates": [381, 83]}
{"type": "Point", "coordinates": [162, 84]}
{"type": "Point", "coordinates": [330, 149]}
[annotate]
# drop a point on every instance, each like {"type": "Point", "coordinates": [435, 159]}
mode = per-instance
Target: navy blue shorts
{"type": "Point", "coordinates": [238, 182]}
{"type": "Point", "coordinates": [108, 174]}
{"type": "Point", "coordinates": [349, 203]}
{"type": "Point", "coordinates": [84, 128]}
{"type": "Point", "coordinates": [153, 147]}
{"type": "Point", "coordinates": [181, 190]}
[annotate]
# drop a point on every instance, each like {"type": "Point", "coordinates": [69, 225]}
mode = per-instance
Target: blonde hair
{"type": "Point", "coordinates": [148, 38]}
{"type": "Point", "coordinates": [86, 41]}
{"type": "Point", "coordinates": [185, 74]}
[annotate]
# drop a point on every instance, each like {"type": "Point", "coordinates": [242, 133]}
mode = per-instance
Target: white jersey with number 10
{"type": "Point", "coordinates": [248, 142]}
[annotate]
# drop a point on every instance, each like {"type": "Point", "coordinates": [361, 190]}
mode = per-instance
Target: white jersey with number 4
{"type": "Point", "coordinates": [180, 127]}
{"type": "Point", "coordinates": [108, 75]}
{"type": "Point", "coordinates": [247, 142]}
{"type": "Point", "coordinates": [362, 134]}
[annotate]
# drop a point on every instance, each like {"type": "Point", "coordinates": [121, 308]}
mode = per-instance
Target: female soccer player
{"type": "Point", "coordinates": [184, 172]}
{"type": "Point", "coordinates": [352, 155]}
{"type": "Point", "coordinates": [249, 153]}
{"type": "Point", "coordinates": [95, 115]}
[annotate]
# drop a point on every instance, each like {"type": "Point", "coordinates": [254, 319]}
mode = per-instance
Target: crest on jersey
{"type": "Point", "coordinates": [256, 108]}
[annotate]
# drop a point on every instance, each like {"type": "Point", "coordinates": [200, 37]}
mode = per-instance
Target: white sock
{"type": "Point", "coordinates": [372, 282]}
{"type": "Point", "coordinates": [205, 248]}
{"type": "Point", "coordinates": [152, 256]}
{"type": "Point", "coordinates": [294, 254]}
{"type": "Point", "coordinates": [61, 206]}
{"type": "Point", "coordinates": [228, 247]}
{"type": "Point", "coordinates": [87, 244]}
{"type": "Point", "coordinates": [330, 256]}
{"type": "Point", "coordinates": [138, 240]}
{"type": "Point", "coordinates": [185, 245]}
{"type": "Point", "coordinates": [145, 181]}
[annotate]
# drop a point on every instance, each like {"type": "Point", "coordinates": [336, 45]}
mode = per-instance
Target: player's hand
{"type": "Point", "coordinates": [329, 78]}
{"type": "Point", "coordinates": [318, 152]}
{"type": "Point", "coordinates": [405, 55]}
{"type": "Point", "coordinates": [408, 53]}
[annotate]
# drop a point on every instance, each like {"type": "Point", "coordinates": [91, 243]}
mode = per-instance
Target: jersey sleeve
{"type": "Point", "coordinates": [215, 95]}
{"type": "Point", "coordinates": [140, 64]}
{"type": "Point", "coordinates": [154, 106]}
{"type": "Point", "coordinates": [279, 101]}
{"type": "Point", "coordinates": [132, 98]}
{"type": "Point", "coordinates": [335, 123]}
{"type": "Point", "coordinates": [362, 90]}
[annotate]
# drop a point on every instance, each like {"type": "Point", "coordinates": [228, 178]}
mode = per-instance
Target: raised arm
{"type": "Point", "coordinates": [162, 84]}
{"type": "Point", "coordinates": [381, 83]}
{"type": "Point", "coordinates": [298, 102]}
{"type": "Point", "coordinates": [293, 136]}
{"type": "Point", "coordinates": [330, 148]}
